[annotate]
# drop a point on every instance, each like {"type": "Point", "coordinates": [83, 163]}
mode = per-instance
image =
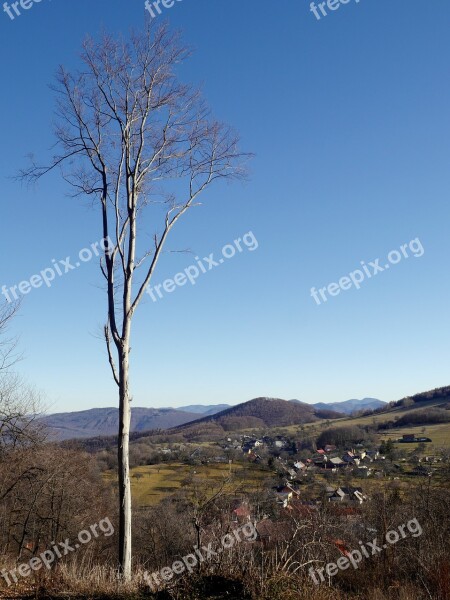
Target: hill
{"type": "Point", "coordinates": [437, 396]}
{"type": "Point", "coordinates": [204, 410]}
{"type": "Point", "coordinates": [265, 412]}
{"type": "Point", "coordinates": [105, 421]}
{"type": "Point", "coordinates": [427, 412]}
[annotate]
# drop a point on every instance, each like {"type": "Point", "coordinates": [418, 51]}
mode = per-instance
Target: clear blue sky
{"type": "Point", "coordinates": [349, 120]}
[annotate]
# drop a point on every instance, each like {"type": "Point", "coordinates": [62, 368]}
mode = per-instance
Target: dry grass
{"type": "Point", "coordinates": [93, 582]}
{"type": "Point", "coordinates": [152, 483]}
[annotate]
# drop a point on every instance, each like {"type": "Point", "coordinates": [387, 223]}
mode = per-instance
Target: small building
{"type": "Point", "coordinates": [337, 462]}
{"type": "Point", "coordinates": [348, 494]}
{"type": "Point", "coordinates": [299, 465]}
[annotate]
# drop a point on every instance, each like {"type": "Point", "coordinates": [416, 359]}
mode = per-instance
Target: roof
{"type": "Point", "coordinates": [350, 490]}
{"type": "Point", "coordinates": [242, 511]}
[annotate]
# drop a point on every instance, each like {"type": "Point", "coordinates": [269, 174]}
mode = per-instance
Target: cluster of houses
{"type": "Point", "coordinates": [360, 462]}
{"type": "Point", "coordinates": [251, 446]}
{"type": "Point", "coordinates": [287, 494]}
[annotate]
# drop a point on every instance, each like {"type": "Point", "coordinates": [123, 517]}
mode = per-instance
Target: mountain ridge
{"type": "Point", "coordinates": [351, 406]}
{"type": "Point", "coordinates": [95, 422]}
{"type": "Point", "coordinates": [265, 412]}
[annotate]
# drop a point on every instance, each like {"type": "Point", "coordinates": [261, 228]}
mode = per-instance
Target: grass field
{"type": "Point", "coordinates": [151, 483]}
{"type": "Point", "coordinates": [440, 434]}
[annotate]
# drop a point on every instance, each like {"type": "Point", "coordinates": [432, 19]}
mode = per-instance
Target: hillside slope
{"type": "Point", "coordinates": [265, 412]}
{"type": "Point", "coordinates": [105, 421]}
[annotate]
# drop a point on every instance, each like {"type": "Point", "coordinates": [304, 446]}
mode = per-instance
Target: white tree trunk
{"type": "Point", "coordinates": [124, 468]}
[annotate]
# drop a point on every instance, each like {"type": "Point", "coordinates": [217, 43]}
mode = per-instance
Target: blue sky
{"type": "Point", "coordinates": [349, 120]}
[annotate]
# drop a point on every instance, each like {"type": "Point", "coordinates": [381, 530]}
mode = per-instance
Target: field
{"type": "Point", "coordinates": [151, 483]}
{"type": "Point", "coordinates": [440, 433]}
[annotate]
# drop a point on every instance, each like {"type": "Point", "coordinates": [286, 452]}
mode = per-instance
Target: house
{"type": "Point", "coordinates": [286, 493]}
{"type": "Point", "coordinates": [329, 491]}
{"type": "Point", "coordinates": [351, 459]}
{"type": "Point", "coordinates": [348, 494]}
{"type": "Point", "coordinates": [410, 437]}
{"type": "Point", "coordinates": [299, 465]}
{"type": "Point", "coordinates": [362, 471]}
{"type": "Point", "coordinates": [370, 456]}
{"type": "Point", "coordinates": [249, 445]}
{"type": "Point", "coordinates": [373, 454]}
{"type": "Point", "coordinates": [337, 462]}
{"type": "Point", "coordinates": [292, 473]}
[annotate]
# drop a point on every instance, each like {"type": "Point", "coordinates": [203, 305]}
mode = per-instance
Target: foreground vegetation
{"type": "Point", "coordinates": [190, 495]}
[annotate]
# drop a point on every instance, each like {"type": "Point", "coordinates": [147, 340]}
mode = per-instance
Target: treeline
{"type": "Point", "coordinates": [345, 436]}
{"type": "Point", "coordinates": [442, 393]}
{"type": "Point", "coordinates": [431, 416]}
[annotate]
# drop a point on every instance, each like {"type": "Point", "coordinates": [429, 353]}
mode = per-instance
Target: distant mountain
{"type": "Point", "coordinates": [105, 421]}
{"type": "Point", "coordinates": [265, 412]}
{"type": "Point", "coordinates": [351, 406]}
{"type": "Point", "coordinates": [201, 409]}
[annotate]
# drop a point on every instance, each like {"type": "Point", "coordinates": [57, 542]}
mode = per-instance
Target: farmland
{"type": "Point", "coordinates": [152, 483]}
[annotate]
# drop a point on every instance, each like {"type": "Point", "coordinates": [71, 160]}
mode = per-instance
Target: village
{"type": "Point", "coordinates": [294, 476]}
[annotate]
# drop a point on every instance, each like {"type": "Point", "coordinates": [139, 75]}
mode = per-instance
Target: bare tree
{"type": "Point", "coordinates": [126, 125]}
{"type": "Point", "coordinates": [8, 345]}
{"type": "Point", "coordinates": [19, 403]}
{"type": "Point", "coordinates": [20, 407]}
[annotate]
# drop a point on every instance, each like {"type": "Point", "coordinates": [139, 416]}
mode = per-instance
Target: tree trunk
{"type": "Point", "coordinates": [124, 468]}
